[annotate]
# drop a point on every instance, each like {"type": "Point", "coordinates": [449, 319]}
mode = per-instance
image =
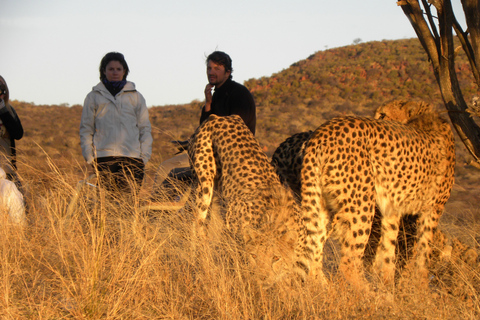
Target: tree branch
{"type": "Point", "coordinates": [440, 50]}
{"type": "Point", "coordinates": [433, 27]}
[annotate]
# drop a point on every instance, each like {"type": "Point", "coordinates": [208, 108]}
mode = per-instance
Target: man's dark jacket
{"type": "Point", "coordinates": [233, 98]}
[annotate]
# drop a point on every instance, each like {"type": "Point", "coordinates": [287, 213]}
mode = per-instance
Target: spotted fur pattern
{"type": "Point", "coordinates": [287, 160]}
{"type": "Point", "coordinates": [227, 159]}
{"type": "Point", "coordinates": [353, 164]}
{"type": "Point", "coordinates": [288, 157]}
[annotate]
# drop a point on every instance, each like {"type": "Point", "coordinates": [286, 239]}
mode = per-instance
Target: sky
{"type": "Point", "coordinates": [51, 49]}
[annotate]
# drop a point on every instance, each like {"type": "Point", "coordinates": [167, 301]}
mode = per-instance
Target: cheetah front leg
{"type": "Point", "coordinates": [203, 188]}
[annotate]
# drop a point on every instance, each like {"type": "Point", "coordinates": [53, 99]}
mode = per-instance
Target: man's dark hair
{"type": "Point", "coordinates": [223, 59]}
{"type": "Point", "coordinates": [113, 56]}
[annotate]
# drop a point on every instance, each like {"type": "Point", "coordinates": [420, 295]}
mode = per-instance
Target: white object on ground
{"type": "Point", "coordinates": [11, 200]}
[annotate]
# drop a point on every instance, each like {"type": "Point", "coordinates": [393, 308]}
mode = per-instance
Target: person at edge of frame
{"type": "Point", "coordinates": [11, 129]}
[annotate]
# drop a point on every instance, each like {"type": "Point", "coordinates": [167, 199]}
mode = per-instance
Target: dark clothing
{"type": "Point", "coordinates": [233, 98]}
{"type": "Point", "coordinates": [120, 173]}
{"type": "Point", "coordinates": [15, 130]}
{"type": "Point", "coordinates": [230, 98]}
{"type": "Point", "coordinates": [114, 87]}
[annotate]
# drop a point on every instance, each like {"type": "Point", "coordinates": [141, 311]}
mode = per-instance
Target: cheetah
{"type": "Point", "coordinates": [352, 164]}
{"type": "Point", "coordinates": [226, 158]}
{"type": "Point", "coordinates": [403, 111]}
{"type": "Point", "coordinates": [287, 160]}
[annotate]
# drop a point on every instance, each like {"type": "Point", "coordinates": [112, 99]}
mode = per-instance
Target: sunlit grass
{"type": "Point", "coordinates": [110, 258]}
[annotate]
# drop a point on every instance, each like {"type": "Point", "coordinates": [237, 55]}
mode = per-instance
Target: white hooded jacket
{"type": "Point", "coordinates": [115, 126]}
{"type": "Point", "coordinates": [11, 200]}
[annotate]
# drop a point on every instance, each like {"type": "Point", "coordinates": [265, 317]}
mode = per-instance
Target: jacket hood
{"type": "Point", "coordinates": [129, 86]}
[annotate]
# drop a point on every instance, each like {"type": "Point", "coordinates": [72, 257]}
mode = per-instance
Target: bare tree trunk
{"type": "Point", "coordinates": [472, 15]}
{"type": "Point", "coordinates": [441, 52]}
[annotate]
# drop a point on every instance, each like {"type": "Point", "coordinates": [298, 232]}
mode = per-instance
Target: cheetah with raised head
{"type": "Point", "coordinates": [353, 164]}
{"type": "Point", "coordinates": [288, 158]}
{"type": "Point", "coordinates": [227, 159]}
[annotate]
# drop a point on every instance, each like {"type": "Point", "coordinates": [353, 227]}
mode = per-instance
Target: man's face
{"type": "Point", "coordinates": [216, 74]}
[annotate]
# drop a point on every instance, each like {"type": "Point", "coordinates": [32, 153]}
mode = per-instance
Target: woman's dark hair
{"type": "Point", "coordinates": [113, 56]}
{"type": "Point", "coordinates": [223, 59]}
{"type": "Point", "coordinates": [3, 86]}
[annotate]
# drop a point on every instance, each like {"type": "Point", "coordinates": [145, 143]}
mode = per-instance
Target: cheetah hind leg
{"type": "Point", "coordinates": [384, 265]}
{"type": "Point", "coordinates": [422, 249]}
{"type": "Point", "coordinates": [354, 238]}
{"type": "Point", "coordinates": [315, 222]}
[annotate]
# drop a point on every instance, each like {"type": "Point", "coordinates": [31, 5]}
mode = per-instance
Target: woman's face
{"type": "Point", "coordinates": [114, 71]}
{"type": "Point", "coordinates": [3, 88]}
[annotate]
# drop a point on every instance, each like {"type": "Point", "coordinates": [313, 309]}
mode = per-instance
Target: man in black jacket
{"type": "Point", "coordinates": [229, 98]}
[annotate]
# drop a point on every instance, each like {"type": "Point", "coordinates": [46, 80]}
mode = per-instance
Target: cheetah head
{"type": "Point", "coordinates": [270, 256]}
{"type": "Point", "coordinates": [416, 114]}
{"type": "Point", "coordinates": [402, 110]}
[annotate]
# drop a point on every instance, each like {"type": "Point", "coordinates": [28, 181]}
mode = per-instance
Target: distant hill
{"type": "Point", "coordinates": [363, 75]}
{"type": "Point", "coordinates": [349, 80]}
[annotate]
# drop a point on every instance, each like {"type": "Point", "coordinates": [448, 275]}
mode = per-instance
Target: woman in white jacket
{"type": "Point", "coordinates": [115, 130]}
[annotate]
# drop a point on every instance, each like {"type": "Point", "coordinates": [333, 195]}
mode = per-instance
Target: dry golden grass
{"type": "Point", "coordinates": [108, 259]}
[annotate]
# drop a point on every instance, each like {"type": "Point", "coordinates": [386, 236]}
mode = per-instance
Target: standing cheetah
{"type": "Point", "coordinates": [226, 158]}
{"type": "Point", "coordinates": [353, 164]}
{"type": "Point", "coordinates": [288, 157]}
